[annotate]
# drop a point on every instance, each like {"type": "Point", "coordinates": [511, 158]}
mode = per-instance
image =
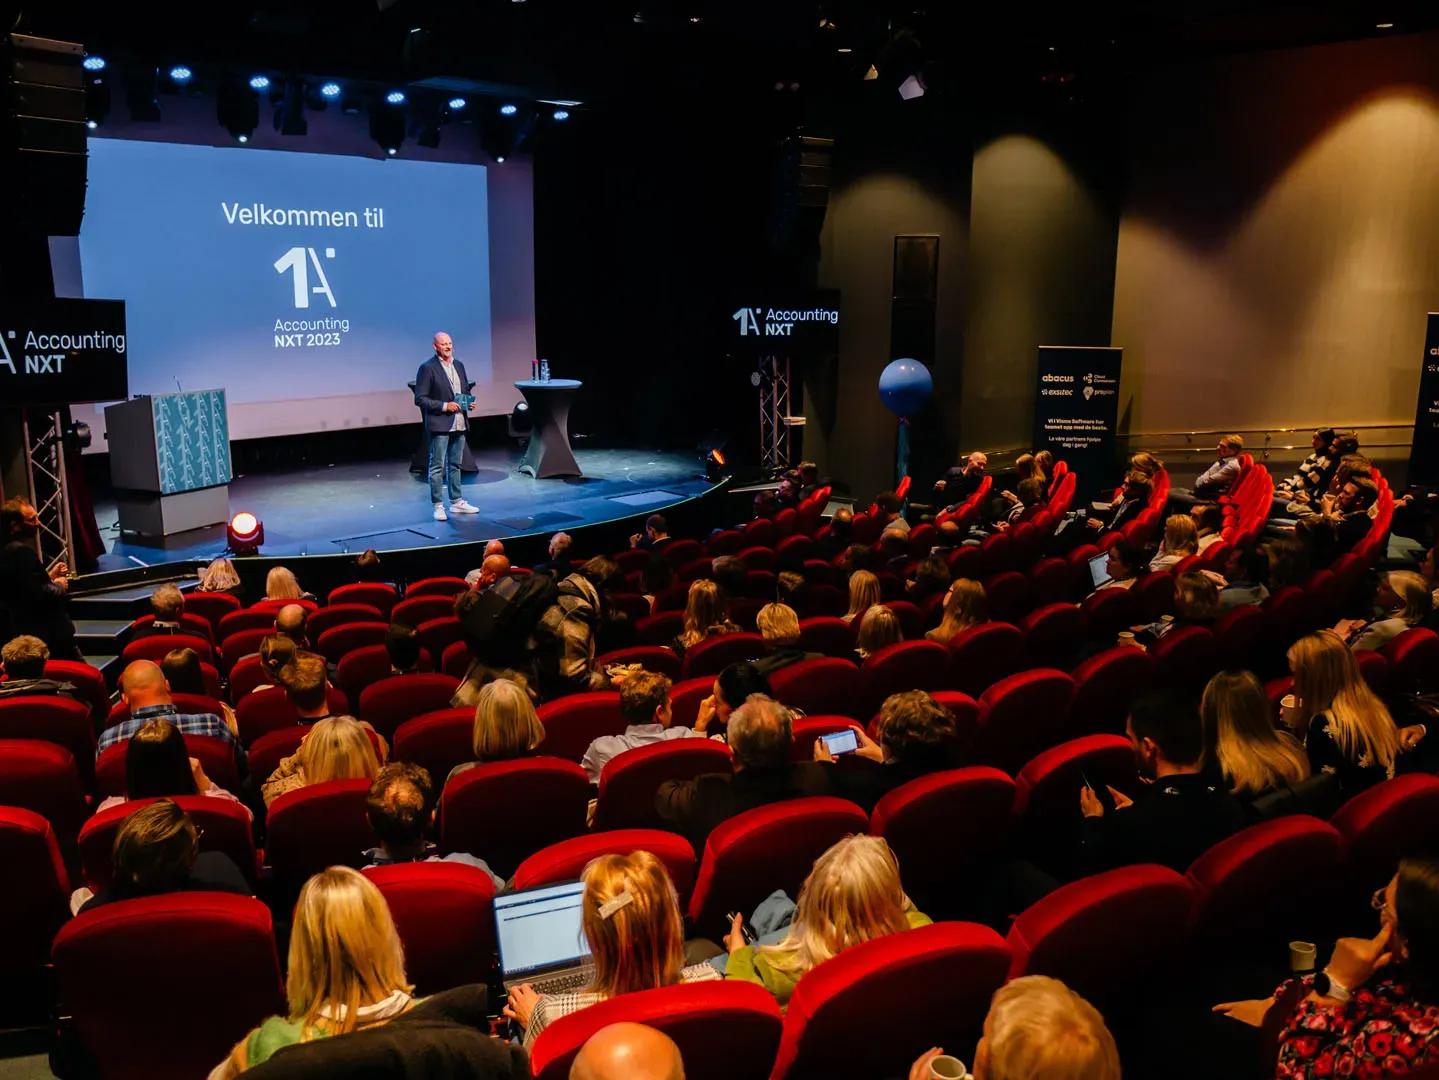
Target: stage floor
{"type": "Point", "coordinates": [382, 505]}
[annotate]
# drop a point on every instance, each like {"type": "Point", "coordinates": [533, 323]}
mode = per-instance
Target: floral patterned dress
{"type": "Point", "coordinates": [1383, 1031]}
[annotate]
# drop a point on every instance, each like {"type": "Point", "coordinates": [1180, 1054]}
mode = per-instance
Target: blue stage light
{"type": "Point", "coordinates": [330, 89]}
{"type": "Point", "coordinates": [562, 114]}
{"type": "Point", "coordinates": [395, 97]}
{"type": "Point", "coordinates": [457, 103]}
{"type": "Point", "coordinates": [93, 63]}
{"type": "Point", "coordinates": [259, 82]}
{"type": "Point", "coordinates": [181, 74]}
{"type": "Point", "coordinates": [509, 110]}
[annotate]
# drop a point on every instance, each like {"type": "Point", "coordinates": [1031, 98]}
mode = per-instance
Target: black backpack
{"type": "Point", "coordinates": [499, 625]}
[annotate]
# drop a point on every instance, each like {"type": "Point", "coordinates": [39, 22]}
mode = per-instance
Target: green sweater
{"type": "Point", "coordinates": [754, 966]}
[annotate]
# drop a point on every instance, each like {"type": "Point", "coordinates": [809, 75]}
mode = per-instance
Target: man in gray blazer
{"type": "Point", "coordinates": [438, 386]}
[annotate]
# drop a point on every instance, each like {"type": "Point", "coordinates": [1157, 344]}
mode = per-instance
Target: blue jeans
{"type": "Point", "coordinates": [447, 450]}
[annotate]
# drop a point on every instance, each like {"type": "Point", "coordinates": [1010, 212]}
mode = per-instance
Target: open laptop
{"type": "Point", "coordinates": [541, 938]}
{"type": "Point", "coordinates": [1099, 568]}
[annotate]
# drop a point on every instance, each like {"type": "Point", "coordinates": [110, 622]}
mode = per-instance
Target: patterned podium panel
{"type": "Point", "coordinates": [192, 440]}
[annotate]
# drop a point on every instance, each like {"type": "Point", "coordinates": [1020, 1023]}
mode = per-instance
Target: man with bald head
{"type": "Point", "coordinates": [146, 695]}
{"type": "Point", "coordinates": [628, 1052]}
{"type": "Point", "coordinates": [443, 395]}
{"type": "Point", "coordinates": [494, 568]}
{"type": "Point", "coordinates": [291, 621]}
{"type": "Point", "coordinates": [494, 547]}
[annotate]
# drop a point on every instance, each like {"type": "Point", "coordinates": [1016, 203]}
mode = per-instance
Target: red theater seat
{"type": "Point", "coordinates": [911, 618]}
{"type": "Point", "coordinates": [629, 781]}
{"type": "Point", "coordinates": [58, 720]}
{"type": "Point", "coordinates": [1052, 633]}
{"type": "Point", "coordinates": [247, 619]}
{"type": "Point", "coordinates": [1185, 658]}
{"type": "Point", "coordinates": [572, 723]}
{"type": "Point", "coordinates": [659, 659]}
{"type": "Point", "coordinates": [1010, 596]}
{"type": "Point", "coordinates": [724, 1030]}
{"type": "Point", "coordinates": [827, 634]}
{"type": "Point", "coordinates": [314, 827]}
{"type": "Point", "coordinates": [266, 752]}
{"type": "Point", "coordinates": [438, 634]}
{"type": "Point", "coordinates": [88, 681]}
{"type": "Point", "coordinates": [771, 847]}
{"type": "Point", "coordinates": [237, 647]}
{"type": "Point", "coordinates": [216, 757]}
{"type": "Point", "coordinates": [1021, 715]}
{"type": "Point", "coordinates": [661, 628]}
{"type": "Point", "coordinates": [33, 905]}
{"type": "Point", "coordinates": [1104, 685]}
{"type": "Point", "coordinates": [685, 699]}
{"type": "Point", "coordinates": [414, 610]}
{"type": "Point", "coordinates": [1380, 826]}
{"type": "Point", "coordinates": [944, 974]}
{"type": "Point", "coordinates": [982, 655]}
{"type": "Point", "coordinates": [826, 685]}
{"type": "Point", "coordinates": [437, 740]}
{"type": "Point", "coordinates": [42, 777]}
{"type": "Point", "coordinates": [334, 643]}
{"type": "Point", "coordinates": [224, 826]}
{"type": "Point", "coordinates": [369, 664]}
{"type": "Point", "coordinates": [905, 665]}
{"type": "Point", "coordinates": [270, 710]}
{"type": "Point", "coordinates": [806, 729]}
{"type": "Point", "coordinates": [1047, 796]}
{"type": "Point", "coordinates": [192, 625]}
{"type": "Point", "coordinates": [1237, 636]}
{"type": "Point", "coordinates": [114, 963]}
{"type": "Point", "coordinates": [554, 794]}
{"type": "Point", "coordinates": [443, 915]}
{"type": "Point", "coordinates": [155, 648]}
{"type": "Point", "coordinates": [713, 655]}
{"type": "Point", "coordinates": [1109, 611]}
{"type": "Point", "coordinates": [212, 607]}
{"type": "Point", "coordinates": [680, 552]}
{"type": "Point", "coordinates": [1414, 661]}
{"type": "Point", "coordinates": [339, 615]}
{"type": "Point", "coordinates": [377, 594]}
{"type": "Point", "coordinates": [1050, 579]}
{"type": "Point", "coordinates": [566, 860]}
{"type": "Point", "coordinates": [435, 586]}
{"type": "Point", "coordinates": [390, 702]}
{"type": "Point", "coordinates": [1153, 595]}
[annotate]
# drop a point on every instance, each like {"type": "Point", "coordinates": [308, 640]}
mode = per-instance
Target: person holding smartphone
{"type": "Point", "coordinates": [916, 737]}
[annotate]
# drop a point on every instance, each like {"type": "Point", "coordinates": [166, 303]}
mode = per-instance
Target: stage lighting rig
{"type": "Point", "coordinates": [245, 533]}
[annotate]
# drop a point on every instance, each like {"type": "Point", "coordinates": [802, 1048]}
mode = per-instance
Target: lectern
{"type": "Point", "coordinates": [170, 461]}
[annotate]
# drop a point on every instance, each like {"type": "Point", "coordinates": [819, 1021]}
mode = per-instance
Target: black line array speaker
{"type": "Point", "coordinates": [802, 183]}
{"type": "Point", "coordinates": [913, 298]}
{"type": "Point", "coordinates": [43, 138]}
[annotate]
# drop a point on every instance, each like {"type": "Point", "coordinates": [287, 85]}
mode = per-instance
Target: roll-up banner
{"type": "Point", "coordinates": [1424, 454]}
{"type": "Point", "coordinates": [1076, 408]}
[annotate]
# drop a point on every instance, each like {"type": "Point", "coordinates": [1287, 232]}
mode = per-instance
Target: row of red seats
{"type": "Point", "coordinates": [1096, 934]}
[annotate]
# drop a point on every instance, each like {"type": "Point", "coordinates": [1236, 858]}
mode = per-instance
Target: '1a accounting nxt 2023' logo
{"type": "Point", "coordinates": [748, 319]}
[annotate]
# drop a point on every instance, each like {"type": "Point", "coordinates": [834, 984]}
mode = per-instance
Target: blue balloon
{"type": "Point", "coordinates": [905, 387]}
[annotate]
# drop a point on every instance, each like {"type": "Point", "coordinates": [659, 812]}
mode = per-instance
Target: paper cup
{"type": "Point", "coordinates": [1301, 956]}
{"type": "Point", "coordinates": [1126, 637]}
{"type": "Point", "coordinates": [946, 1067]}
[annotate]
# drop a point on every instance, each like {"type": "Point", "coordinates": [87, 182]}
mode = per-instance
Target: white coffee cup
{"type": "Point", "coordinates": [1288, 710]}
{"type": "Point", "coordinates": [1126, 637]}
{"type": "Point", "coordinates": [1301, 956]}
{"type": "Point", "coordinates": [947, 1067]}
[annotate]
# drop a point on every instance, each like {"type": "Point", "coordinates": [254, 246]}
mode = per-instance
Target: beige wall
{"type": "Point", "coordinates": [1279, 245]}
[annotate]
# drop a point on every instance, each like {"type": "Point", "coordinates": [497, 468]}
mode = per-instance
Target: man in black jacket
{"type": "Point", "coordinates": [32, 601]}
{"type": "Point", "coordinates": [760, 732]}
{"type": "Point", "coordinates": [439, 384]}
{"type": "Point", "coordinates": [1174, 818]}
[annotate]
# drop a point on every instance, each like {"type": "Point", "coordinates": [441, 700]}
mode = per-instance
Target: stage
{"type": "Point", "coordinates": [332, 510]}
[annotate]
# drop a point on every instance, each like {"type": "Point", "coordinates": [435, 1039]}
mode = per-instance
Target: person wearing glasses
{"type": "Point", "coordinates": [1374, 1008]}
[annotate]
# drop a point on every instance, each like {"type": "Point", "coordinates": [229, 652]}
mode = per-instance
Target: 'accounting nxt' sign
{"type": "Point", "coordinates": [792, 326]}
{"type": "Point", "coordinates": [60, 352]}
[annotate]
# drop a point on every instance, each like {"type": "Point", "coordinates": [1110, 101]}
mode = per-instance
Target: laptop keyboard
{"type": "Point", "coordinates": [562, 984]}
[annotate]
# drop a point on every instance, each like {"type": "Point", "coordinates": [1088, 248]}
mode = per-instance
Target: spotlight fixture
{"type": "Point", "coordinates": [509, 110]}
{"type": "Point", "coordinates": [387, 127]}
{"type": "Point", "coordinates": [392, 150]}
{"type": "Point", "coordinates": [93, 63]}
{"type": "Point", "coordinates": [844, 49]}
{"type": "Point", "coordinates": [330, 89]}
{"type": "Point", "coordinates": [245, 533]}
{"type": "Point", "coordinates": [561, 114]}
{"type": "Point", "coordinates": [457, 103]}
{"type": "Point", "coordinates": [714, 464]}
{"type": "Point", "coordinates": [181, 74]}
{"type": "Point", "coordinates": [1377, 26]}
{"type": "Point", "coordinates": [92, 124]}
{"type": "Point", "coordinates": [911, 88]}
{"type": "Point", "coordinates": [259, 82]}
{"type": "Point", "coordinates": [395, 97]}
{"type": "Point", "coordinates": [242, 138]}
{"type": "Point", "coordinates": [500, 160]}
{"type": "Point", "coordinates": [237, 108]}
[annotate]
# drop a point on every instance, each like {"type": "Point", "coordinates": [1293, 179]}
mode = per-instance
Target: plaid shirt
{"type": "Point", "coordinates": [189, 724]}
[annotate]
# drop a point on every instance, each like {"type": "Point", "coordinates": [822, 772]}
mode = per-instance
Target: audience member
{"type": "Point", "coordinates": [1044, 465]}
{"type": "Point", "coordinates": [789, 588]}
{"type": "Point", "coordinates": [276, 653]}
{"type": "Point", "coordinates": [506, 725]}
{"type": "Point", "coordinates": [494, 547]}
{"type": "Point", "coordinates": [368, 567]}
{"type": "Point", "coordinates": [493, 655]}
{"type": "Point", "coordinates": [1342, 521]}
{"type": "Point", "coordinates": [863, 594]}
{"type": "Point", "coordinates": [960, 482]}
{"type": "Point", "coordinates": [1429, 571]}
{"type": "Point", "coordinates": [1219, 477]}
{"type": "Point", "coordinates": [400, 808]}
{"type": "Point", "coordinates": [1345, 728]}
{"type": "Point", "coordinates": [1374, 1008]}
{"type": "Point", "coordinates": [1252, 755]}
{"type": "Point", "coordinates": [281, 584]}
{"type": "Point", "coordinates": [493, 569]}
{"type": "Point", "coordinates": [1146, 464]}
{"type": "Point", "coordinates": [965, 606]}
{"type": "Point", "coordinates": [879, 627]}
{"type": "Point", "coordinates": [1405, 600]}
{"type": "Point", "coordinates": [307, 682]}
{"type": "Point", "coordinates": [947, 539]}
{"type": "Point", "coordinates": [1123, 566]}
{"type": "Point", "coordinates": [779, 626]}
{"type": "Point", "coordinates": [1038, 1029]}
{"type": "Point", "coordinates": [564, 651]}
{"type": "Point", "coordinates": [346, 970]}
{"type": "Point", "coordinates": [23, 659]}
{"type": "Point", "coordinates": [1208, 523]}
{"type": "Point", "coordinates": [1181, 540]}
{"type": "Point", "coordinates": [1027, 504]}
{"type": "Point", "coordinates": [220, 576]}
{"type": "Point", "coordinates": [402, 647]}
{"type": "Point", "coordinates": [628, 1051]}
{"type": "Point", "coordinates": [760, 733]}
{"type": "Point", "coordinates": [890, 519]}
{"type": "Point", "coordinates": [732, 688]}
{"type": "Point", "coordinates": [916, 737]}
{"type": "Point", "coordinates": [166, 604]}
{"type": "Point", "coordinates": [705, 616]}
{"type": "Point", "coordinates": [837, 537]}
{"type": "Point", "coordinates": [632, 922]}
{"type": "Point", "coordinates": [1129, 502]}
{"type": "Point", "coordinates": [146, 695]}
{"type": "Point", "coordinates": [856, 557]}
{"type": "Point", "coordinates": [894, 551]}
{"type": "Point", "coordinates": [1289, 563]}
{"type": "Point", "coordinates": [336, 748]}
{"type": "Point", "coordinates": [185, 672]}
{"type": "Point", "coordinates": [157, 765]}
{"type": "Point", "coordinates": [292, 621]}
{"type": "Point", "coordinates": [32, 598]}
{"type": "Point", "coordinates": [1313, 473]}
{"type": "Point", "coordinates": [656, 532]}
{"type": "Point", "coordinates": [645, 706]}
{"type": "Point", "coordinates": [657, 577]}
{"type": "Point", "coordinates": [851, 895]}
{"type": "Point", "coordinates": [157, 850]}
{"type": "Point", "coordinates": [1174, 819]}
{"type": "Point", "coordinates": [1247, 577]}
{"type": "Point", "coordinates": [558, 563]}
{"type": "Point", "coordinates": [1196, 603]}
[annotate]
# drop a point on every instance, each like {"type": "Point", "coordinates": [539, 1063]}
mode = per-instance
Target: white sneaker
{"type": "Point", "coordinates": [459, 506]}
{"type": "Point", "coordinates": [440, 514]}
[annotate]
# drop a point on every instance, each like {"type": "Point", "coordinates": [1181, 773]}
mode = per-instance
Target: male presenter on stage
{"type": "Point", "coordinates": [443, 396]}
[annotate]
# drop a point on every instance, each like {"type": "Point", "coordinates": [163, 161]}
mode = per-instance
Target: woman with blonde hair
{"type": "Point", "coordinates": [220, 576]}
{"type": "Point", "coordinates": [704, 616]}
{"type": "Point", "coordinates": [852, 895]}
{"type": "Point", "coordinates": [1181, 540]}
{"type": "Point", "coordinates": [506, 725]}
{"type": "Point", "coordinates": [631, 920]}
{"type": "Point", "coordinates": [336, 748]}
{"type": "Point", "coordinates": [281, 584]}
{"type": "Point", "coordinates": [863, 594]}
{"type": "Point", "coordinates": [1407, 601]}
{"type": "Point", "coordinates": [879, 627]}
{"type": "Point", "coordinates": [965, 606]}
{"type": "Point", "coordinates": [1253, 755]}
{"type": "Point", "coordinates": [1345, 727]}
{"type": "Point", "coordinates": [1147, 464]}
{"type": "Point", "coordinates": [346, 970]}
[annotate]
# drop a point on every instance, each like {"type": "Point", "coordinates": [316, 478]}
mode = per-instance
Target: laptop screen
{"type": "Point", "coordinates": [539, 929]}
{"type": "Point", "coordinates": [1099, 568]}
